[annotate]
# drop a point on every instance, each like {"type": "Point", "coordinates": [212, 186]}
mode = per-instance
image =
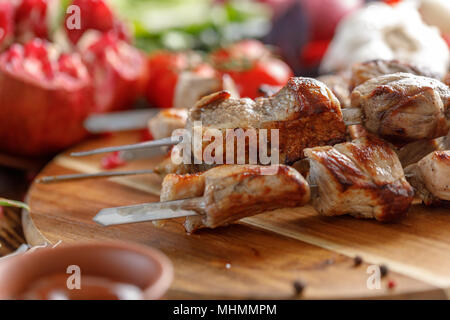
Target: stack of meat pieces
{"type": "Point", "coordinates": [305, 112]}
{"type": "Point", "coordinates": [430, 177]}
{"type": "Point", "coordinates": [231, 192]}
{"type": "Point", "coordinates": [364, 178]}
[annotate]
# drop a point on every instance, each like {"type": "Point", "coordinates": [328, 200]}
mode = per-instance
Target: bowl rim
{"type": "Point", "coordinates": [152, 292]}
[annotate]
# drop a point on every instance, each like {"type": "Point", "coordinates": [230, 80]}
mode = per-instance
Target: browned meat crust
{"type": "Point", "coordinates": [404, 107]}
{"type": "Point", "coordinates": [305, 111]}
{"type": "Point", "coordinates": [361, 72]}
{"type": "Point", "coordinates": [414, 151]}
{"type": "Point", "coordinates": [339, 84]}
{"type": "Point", "coordinates": [232, 192]}
{"type": "Point", "coordinates": [166, 121]}
{"type": "Point", "coordinates": [363, 178]}
{"type": "Point", "coordinates": [430, 177]}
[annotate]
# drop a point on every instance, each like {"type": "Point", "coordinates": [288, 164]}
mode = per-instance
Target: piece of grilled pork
{"type": "Point", "coordinates": [232, 192]}
{"type": "Point", "coordinates": [361, 72]}
{"type": "Point", "coordinates": [166, 121]}
{"type": "Point", "coordinates": [305, 112]}
{"type": "Point", "coordinates": [404, 107]}
{"type": "Point", "coordinates": [363, 178]}
{"type": "Point", "coordinates": [339, 84]}
{"type": "Point", "coordinates": [430, 177]}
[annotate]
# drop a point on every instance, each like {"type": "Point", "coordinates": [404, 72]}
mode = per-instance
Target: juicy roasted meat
{"type": "Point", "coordinates": [446, 142]}
{"type": "Point", "coordinates": [339, 84]}
{"type": "Point", "coordinates": [414, 151]}
{"type": "Point", "coordinates": [361, 72]}
{"type": "Point", "coordinates": [166, 121]}
{"type": "Point", "coordinates": [430, 177]}
{"type": "Point", "coordinates": [232, 192]}
{"type": "Point", "coordinates": [446, 79]}
{"type": "Point", "coordinates": [167, 166]}
{"type": "Point", "coordinates": [363, 178]}
{"type": "Point", "coordinates": [404, 107]}
{"type": "Point", "coordinates": [305, 111]}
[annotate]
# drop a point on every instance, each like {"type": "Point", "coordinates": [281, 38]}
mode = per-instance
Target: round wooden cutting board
{"type": "Point", "coordinates": [259, 257]}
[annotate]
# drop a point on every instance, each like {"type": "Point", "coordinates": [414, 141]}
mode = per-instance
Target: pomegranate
{"type": "Point", "coordinates": [97, 15]}
{"type": "Point", "coordinates": [118, 70]}
{"type": "Point", "coordinates": [6, 23]}
{"type": "Point", "coordinates": [34, 18]}
{"type": "Point", "coordinates": [44, 98]}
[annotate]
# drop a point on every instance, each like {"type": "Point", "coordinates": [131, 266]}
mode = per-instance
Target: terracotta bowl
{"type": "Point", "coordinates": [123, 262]}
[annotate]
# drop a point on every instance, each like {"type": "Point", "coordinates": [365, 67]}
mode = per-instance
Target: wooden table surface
{"type": "Point", "coordinates": [259, 257]}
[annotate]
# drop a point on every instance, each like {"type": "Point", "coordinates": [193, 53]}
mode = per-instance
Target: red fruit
{"type": "Point", "coordinates": [118, 70]}
{"type": "Point", "coordinates": [313, 52]}
{"type": "Point", "coordinates": [164, 70]}
{"type": "Point", "coordinates": [392, 2]}
{"type": "Point", "coordinates": [447, 39]}
{"type": "Point", "coordinates": [44, 99]}
{"type": "Point", "coordinates": [112, 161]}
{"type": "Point", "coordinates": [251, 65]}
{"type": "Point", "coordinates": [32, 19]}
{"type": "Point", "coordinates": [324, 15]}
{"type": "Point", "coordinates": [6, 23]}
{"type": "Point", "coordinates": [146, 135]}
{"type": "Point", "coordinates": [96, 15]}
{"type": "Point", "coordinates": [239, 53]}
{"type": "Point", "coordinates": [392, 284]}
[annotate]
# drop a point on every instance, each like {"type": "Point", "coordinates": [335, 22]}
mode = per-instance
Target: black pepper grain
{"type": "Point", "coordinates": [383, 270]}
{"type": "Point", "coordinates": [299, 286]}
{"type": "Point", "coordinates": [357, 261]}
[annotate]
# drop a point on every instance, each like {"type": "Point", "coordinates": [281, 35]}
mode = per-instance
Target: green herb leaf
{"type": "Point", "coordinates": [11, 203]}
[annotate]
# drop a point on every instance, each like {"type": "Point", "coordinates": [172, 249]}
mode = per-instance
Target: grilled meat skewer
{"type": "Point", "coordinates": [166, 121]}
{"type": "Point", "coordinates": [363, 178]}
{"type": "Point", "coordinates": [415, 151]}
{"type": "Point", "coordinates": [404, 107]}
{"type": "Point", "coordinates": [361, 72]}
{"type": "Point", "coordinates": [399, 107]}
{"type": "Point", "coordinates": [339, 84]}
{"type": "Point", "coordinates": [305, 111]}
{"type": "Point", "coordinates": [430, 177]}
{"type": "Point", "coordinates": [218, 196]}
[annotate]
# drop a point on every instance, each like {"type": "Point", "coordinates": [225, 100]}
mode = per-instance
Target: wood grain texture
{"type": "Point", "coordinates": [11, 234]}
{"type": "Point", "coordinates": [259, 257]}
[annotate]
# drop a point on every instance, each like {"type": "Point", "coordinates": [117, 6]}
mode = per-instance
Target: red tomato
{"type": "Point", "coordinates": [247, 50]}
{"type": "Point", "coordinates": [164, 70]}
{"type": "Point", "coordinates": [251, 65]}
{"type": "Point", "coordinates": [271, 71]}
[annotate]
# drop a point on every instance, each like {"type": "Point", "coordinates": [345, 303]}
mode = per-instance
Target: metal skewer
{"type": "Point", "coordinates": [79, 176]}
{"type": "Point", "coordinates": [143, 145]}
{"type": "Point", "coordinates": [149, 212]}
{"type": "Point", "coordinates": [351, 116]}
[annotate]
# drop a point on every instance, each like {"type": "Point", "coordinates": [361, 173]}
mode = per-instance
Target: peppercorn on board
{"type": "Point", "coordinates": [264, 256]}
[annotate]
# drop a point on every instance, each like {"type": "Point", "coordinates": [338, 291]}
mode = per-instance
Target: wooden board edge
{"type": "Point", "coordinates": [32, 235]}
